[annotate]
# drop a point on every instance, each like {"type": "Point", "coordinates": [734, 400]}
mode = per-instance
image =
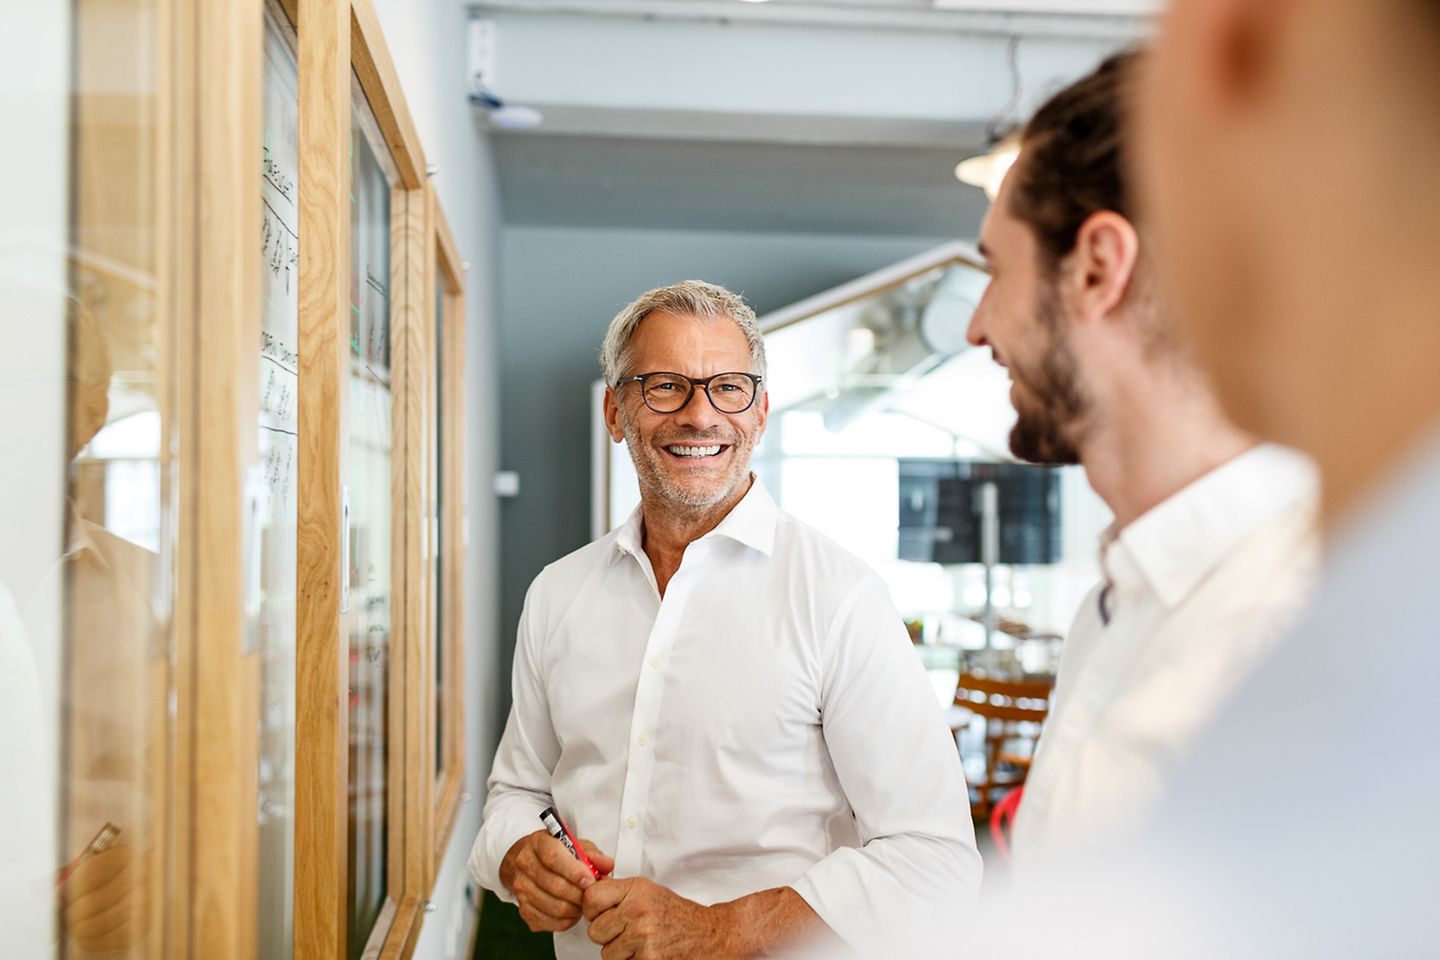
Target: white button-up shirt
{"type": "Point", "coordinates": [1196, 592]}
{"type": "Point", "coordinates": [765, 724]}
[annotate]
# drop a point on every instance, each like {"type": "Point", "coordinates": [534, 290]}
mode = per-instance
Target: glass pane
{"type": "Point", "coordinates": [368, 484]}
{"type": "Point", "coordinates": [117, 737]}
{"type": "Point", "coordinates": [36, 85]}
{"type": "Point", "coordinates": [437, 637]}
{"type": "Point", "coordinates": [271, 530]}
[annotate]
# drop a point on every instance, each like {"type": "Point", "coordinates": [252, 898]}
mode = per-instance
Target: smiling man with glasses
{"type": "Point", "coordinates": [720, 698]}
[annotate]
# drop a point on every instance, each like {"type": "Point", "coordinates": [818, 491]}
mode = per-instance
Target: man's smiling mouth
{"type": "Point", "coordinates": [690, 451]}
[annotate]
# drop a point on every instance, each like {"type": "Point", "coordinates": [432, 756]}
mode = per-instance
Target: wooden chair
{"type": "Point", "coordinates": [1012, 711]}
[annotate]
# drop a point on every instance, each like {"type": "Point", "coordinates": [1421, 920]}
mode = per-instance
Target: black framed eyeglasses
{"type": "Point", "coordinates": [666, 392]}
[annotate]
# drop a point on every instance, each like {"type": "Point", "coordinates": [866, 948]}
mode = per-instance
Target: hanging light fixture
{"type": "Point", "coordinates": [987, 168]}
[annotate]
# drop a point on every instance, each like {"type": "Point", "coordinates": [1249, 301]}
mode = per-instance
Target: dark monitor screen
{"type": "Point", "coordinates": [940, 511]}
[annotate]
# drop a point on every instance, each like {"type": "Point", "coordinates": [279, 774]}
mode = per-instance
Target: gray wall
{"type": "Point", "coordinates": [427, 41]}
{"type": "Point", "coordinates": [559, 287]}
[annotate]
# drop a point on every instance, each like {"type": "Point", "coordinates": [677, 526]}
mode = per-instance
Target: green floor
{"type": "Point", "coordinates": [504, 936]}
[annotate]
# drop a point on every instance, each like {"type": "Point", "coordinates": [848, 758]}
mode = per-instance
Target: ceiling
{"type": "Point", "coordinates": [795, 116]}
{"type": "Point", "coordinates": [732, 185]}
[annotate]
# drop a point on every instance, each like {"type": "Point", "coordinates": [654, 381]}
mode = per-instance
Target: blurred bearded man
{"type": "Point", "coordinates": [1286, 159]}
{"type": "Point", "coordinates": [1213, 544]}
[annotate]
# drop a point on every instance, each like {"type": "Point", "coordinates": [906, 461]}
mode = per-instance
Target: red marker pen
{"type": "Point", "coordinates": [560, 832]}
{"type": "Point", "coordinates": [108, 836]}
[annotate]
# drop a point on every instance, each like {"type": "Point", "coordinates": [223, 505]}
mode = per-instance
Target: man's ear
{"type": "Point", "coordinates": [1099, 271]}
{"type": "Point", "coordinates": [612, 416]}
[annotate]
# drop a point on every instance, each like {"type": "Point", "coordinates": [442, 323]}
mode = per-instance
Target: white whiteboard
{"type": "Point", "coordinates": [272, 497]}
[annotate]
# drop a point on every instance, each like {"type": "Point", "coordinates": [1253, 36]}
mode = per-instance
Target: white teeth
{"type": "Point", "coordinates": [680, 451]}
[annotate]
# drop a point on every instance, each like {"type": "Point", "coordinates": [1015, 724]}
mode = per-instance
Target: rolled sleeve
{"type": "Point", "coordinates": [902, 777]}
{"type": "Point", "coordinates": [519, 784]}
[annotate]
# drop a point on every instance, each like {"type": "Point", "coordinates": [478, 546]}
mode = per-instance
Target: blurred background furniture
{"type": "Point", "coordinates": [1002, 718]}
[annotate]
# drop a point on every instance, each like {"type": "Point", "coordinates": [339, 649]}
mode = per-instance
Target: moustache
{"type": "Point", "coordinates": [714, 435]}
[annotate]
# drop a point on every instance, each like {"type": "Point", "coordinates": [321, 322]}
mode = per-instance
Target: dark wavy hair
{"type": "Point", "coordinates": [1072, 157]}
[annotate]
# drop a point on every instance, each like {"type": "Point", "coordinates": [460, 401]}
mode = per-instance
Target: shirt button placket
{"type": "Point", "coordinates": [640, 764]}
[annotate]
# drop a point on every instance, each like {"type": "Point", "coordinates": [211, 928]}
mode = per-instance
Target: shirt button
{"type": "Point", "coordinates": [632, 823]}
{"type": "Point", "coordinates": [641, 740]}
{"type": "Point", "coordinates": [655, 663]}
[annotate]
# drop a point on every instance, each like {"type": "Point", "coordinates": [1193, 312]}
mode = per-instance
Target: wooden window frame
{"type": "Point", "coordinates": [210, 127]}
{"type": "Point", "coordinates": [221, 46]}
{"type": "Point", "coordinates": [446, 772]}
{"type": "Point", "coordinates": [338, 41]}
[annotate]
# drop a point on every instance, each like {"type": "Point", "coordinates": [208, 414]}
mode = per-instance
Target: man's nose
{"type": "Point", "coordinates": [975, 333]}
{"type": "Point", "coordinates": [699, 413]}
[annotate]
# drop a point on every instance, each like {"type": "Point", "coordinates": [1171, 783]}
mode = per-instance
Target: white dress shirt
{"type": "Point", "coordinates": [1196, 591]}
{"type": "Point", "coordinates": [764, 724]}
{"type": "Point", "coordinates": [1303, 823]}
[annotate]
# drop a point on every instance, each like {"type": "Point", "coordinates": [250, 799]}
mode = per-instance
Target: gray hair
{"type": "Point", "coordinates": [688, 298]}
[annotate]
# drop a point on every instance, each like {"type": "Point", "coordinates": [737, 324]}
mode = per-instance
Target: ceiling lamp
{"type": "Point", "coordinates": [988, 168]}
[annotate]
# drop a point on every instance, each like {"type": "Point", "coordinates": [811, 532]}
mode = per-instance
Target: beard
{"type": "Point", "coordinates": [655, 480]}
{"type": "Point", "coordinates": [1046, 430]}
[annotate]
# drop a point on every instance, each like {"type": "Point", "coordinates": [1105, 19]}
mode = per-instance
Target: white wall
{"type": "Point", "coordinates": [427, 42]}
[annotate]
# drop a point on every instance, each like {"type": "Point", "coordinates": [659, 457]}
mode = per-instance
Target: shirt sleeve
{"type": "Point", "coordinates": [901, 774]}
{"type": "Point", "coordinates": [519, 784]}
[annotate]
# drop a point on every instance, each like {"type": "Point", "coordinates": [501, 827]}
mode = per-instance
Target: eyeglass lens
{"type": "Point", "coordinates": [730, 393]}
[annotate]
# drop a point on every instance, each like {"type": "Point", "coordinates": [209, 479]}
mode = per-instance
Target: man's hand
{"type": "Point", "coordinates": [106, 907]}
{"type": "Point", "coordinates": [548, 881]}
{"type": "Point", "coordinates": [638, 918]}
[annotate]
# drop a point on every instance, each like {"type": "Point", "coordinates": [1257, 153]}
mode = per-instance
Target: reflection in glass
{"type": "Point", "coordinates": [271, 528]}
{"type": "Point", "coordinates": [116, 736]}
{"type": "Point", "coordinates": [368, 429]}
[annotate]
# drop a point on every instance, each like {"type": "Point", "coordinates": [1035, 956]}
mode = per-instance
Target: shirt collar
{"type": "Point", "coordinates": [750, 522]}
{"type": "Point", "coordinates": [82, 538]}
{"type": "Point", "coordinates": [1178, 543]}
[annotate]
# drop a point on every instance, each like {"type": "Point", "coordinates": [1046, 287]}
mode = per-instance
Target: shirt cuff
{"type": "Point", "coordinates": [874, 911]}
{"type": "Point", "coordinates": [500, 831]}
{"type": "Point", "coordinates": [835, 888]}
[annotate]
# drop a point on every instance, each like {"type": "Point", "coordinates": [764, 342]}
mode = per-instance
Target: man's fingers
{"type": "Point", "coordinates": [543, 903]}
{"type": "Point", "coordinates": [96, 893]}
{"type": "Point", "coordinates": [540, 877]}
{"type": "Point", "coordinates": [606, 927]}
{"type": "Point", "coordinates": [617, 950]}
{"type": "Point", "coordinates": [603, 895]}
{"type": "Point", "coordinates": [106, 930]}
{"type": "Point", "coordinates": [558, 860]}
{"type": "Point", "coordinates": [603, 863]}
{"type": "Point", "coordinates": [540, 923]}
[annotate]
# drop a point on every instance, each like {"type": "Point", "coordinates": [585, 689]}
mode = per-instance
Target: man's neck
{"type": "Point", "coordinates": [1154, 444]}
{"type": "Point", "coordinates": [669, 528]}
